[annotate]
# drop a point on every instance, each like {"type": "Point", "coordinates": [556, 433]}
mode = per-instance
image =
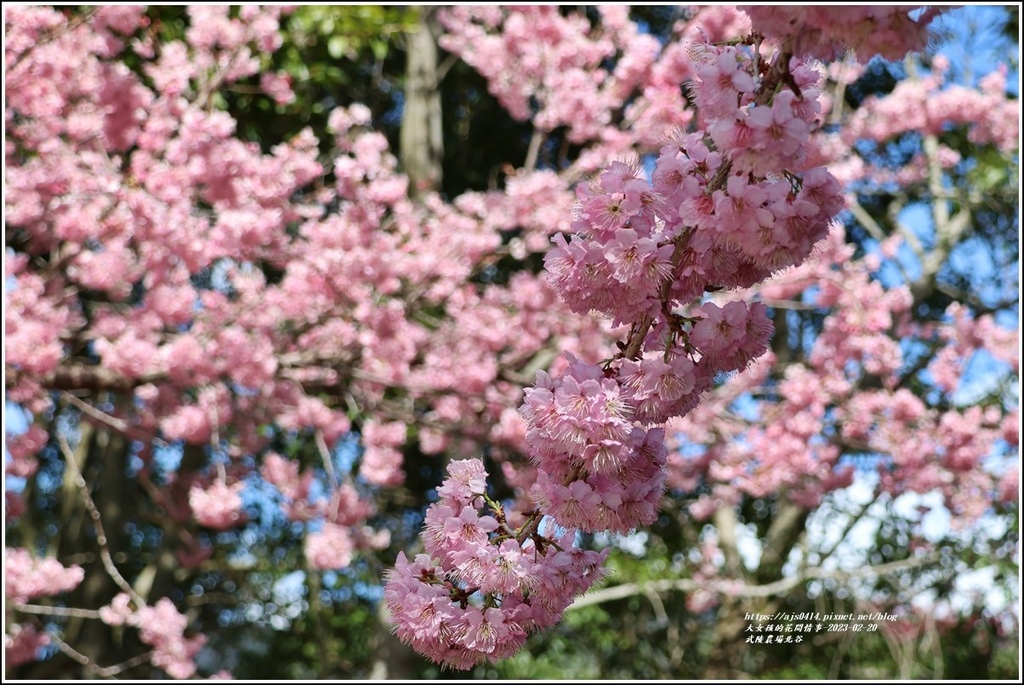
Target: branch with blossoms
{"type": "Point", "coordinates": [160, 626]}
{"type": "Point", "coordinates": [727, 207]}
{"type": "Point", "coordinates": [124, 196]}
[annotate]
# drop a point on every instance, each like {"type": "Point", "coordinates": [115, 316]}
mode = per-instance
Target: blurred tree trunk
{"type": "Point", "coordinates": [729, 658]}
{"type": "Point", "coordinates": [421, 141]}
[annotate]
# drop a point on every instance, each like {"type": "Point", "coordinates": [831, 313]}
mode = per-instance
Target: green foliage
{"type": "Point", "coordinates": [335, 56]}
{"type": "Point", "coordinates": [348, 31]}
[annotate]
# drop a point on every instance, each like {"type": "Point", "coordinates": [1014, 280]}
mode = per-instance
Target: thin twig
{"type": "Point", "coordinates": [72, 652]}
{"type": "Point", "coordinates": [779, 587]}
{"type": "Point", "coordinates": [109, 672]}
{"type": "Point", "coordinates": [854, 519]}
{"type": "Point", "coordinates": [42, 610]}
{"type": "Point", "coordinates": [101, 537]}
{"type": "Point", "coordinates": [115, 423]}
{"type": "Point", "coordinates": [447, 64]}
{"type": "Point", "coordinates": [325, 454]}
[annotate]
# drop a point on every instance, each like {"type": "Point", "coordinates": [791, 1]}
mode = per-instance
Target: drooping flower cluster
{"type": "Point", "coordinates": [482, 586]}
{"type": "Point", "coordinates": [598, 469]}
{"type": "Point", "coordinates": [727, 207]}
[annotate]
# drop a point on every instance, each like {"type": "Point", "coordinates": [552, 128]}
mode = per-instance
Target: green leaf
{"type": "Point", "coordinates": [336, 46]}
{"type": "Point", "coordinates": [379, 48]}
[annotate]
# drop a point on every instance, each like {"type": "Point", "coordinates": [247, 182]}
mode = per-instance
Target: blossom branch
{"type": "Point", "coordinates": [49, 36]}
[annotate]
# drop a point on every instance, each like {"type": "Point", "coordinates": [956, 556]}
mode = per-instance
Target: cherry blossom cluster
{"type": "Point", "coordinates": [826, 32]}
{"type": "Point", "coordinates": [26, 576]}
{"type": "Point", "coordinates": [335, 533]}
{"type": "Point", "coordinates": [927, 103]}
{"type": "Point", "coordinates": [709, 218]}
{"type": "Point", "coordinates": [22, 643]}
{"type": "Point", "coordinates": [162, 627]}
{"type": "Point", "coordinates": [551, 69]}
{"type": "Point", "coordinates": [482, 586]}
{"type": "Point", "coordinates": [598, 470]}
{"type": "Point", "coordinates": [727, 206]}
{"type": "Point", "coordinates": [820, 410]}
{"type": "Point", "coordinates": [553, 56]}
{"type": "Point", "coordinates": [219, 506]}
{"type": "Point", "coordinates": [712, 219]}
{"type": "Point", "coordinates": [930, 105]}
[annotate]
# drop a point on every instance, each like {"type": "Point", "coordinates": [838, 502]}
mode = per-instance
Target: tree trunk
{"type": "Point", "coordinates": [421, 142]}
{"type": "Point", "coordinates": [729, 657]}
{"type": "Point", "coordinates": [725, 660]}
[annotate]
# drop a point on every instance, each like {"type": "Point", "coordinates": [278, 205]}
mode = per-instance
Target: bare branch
{"type": "Point", "coordinates": [101, 537]}
{"type": "Point", "coordinates": [534, 151]}
{"type": "Point", "coordinates": [781, 536]}
{"type": "Point", "coordinates": [73, 653]}
{"type": "Point", "coordinates": [788, 304]}
{"type": "Point", "coordinates": [43, 610]}
{"type": "Point", "coordinates": [109, 672]}
{"type": "Point", "coordinates": [779, 587]}
{"type": "Point", "coordinates": [875, 230]}
{"type": "Point", "coordinates": [868, 222]}
{"type": "Point", "coordinates": [854, 519]}
{"type": "Point", "coordinates": [120, 426]}
{"type": "Point", "coordinates": [325, 454]}
{"type": "Point", "coordinates": [949, 229]}
{"type": "Point", "coordinates": [442, 69]}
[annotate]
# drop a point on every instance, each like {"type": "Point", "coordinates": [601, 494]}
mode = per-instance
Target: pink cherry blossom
{"type": "Point", "coordinates": [26, 577]}
{"type": "Point", "coordinates": [219, 506]}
